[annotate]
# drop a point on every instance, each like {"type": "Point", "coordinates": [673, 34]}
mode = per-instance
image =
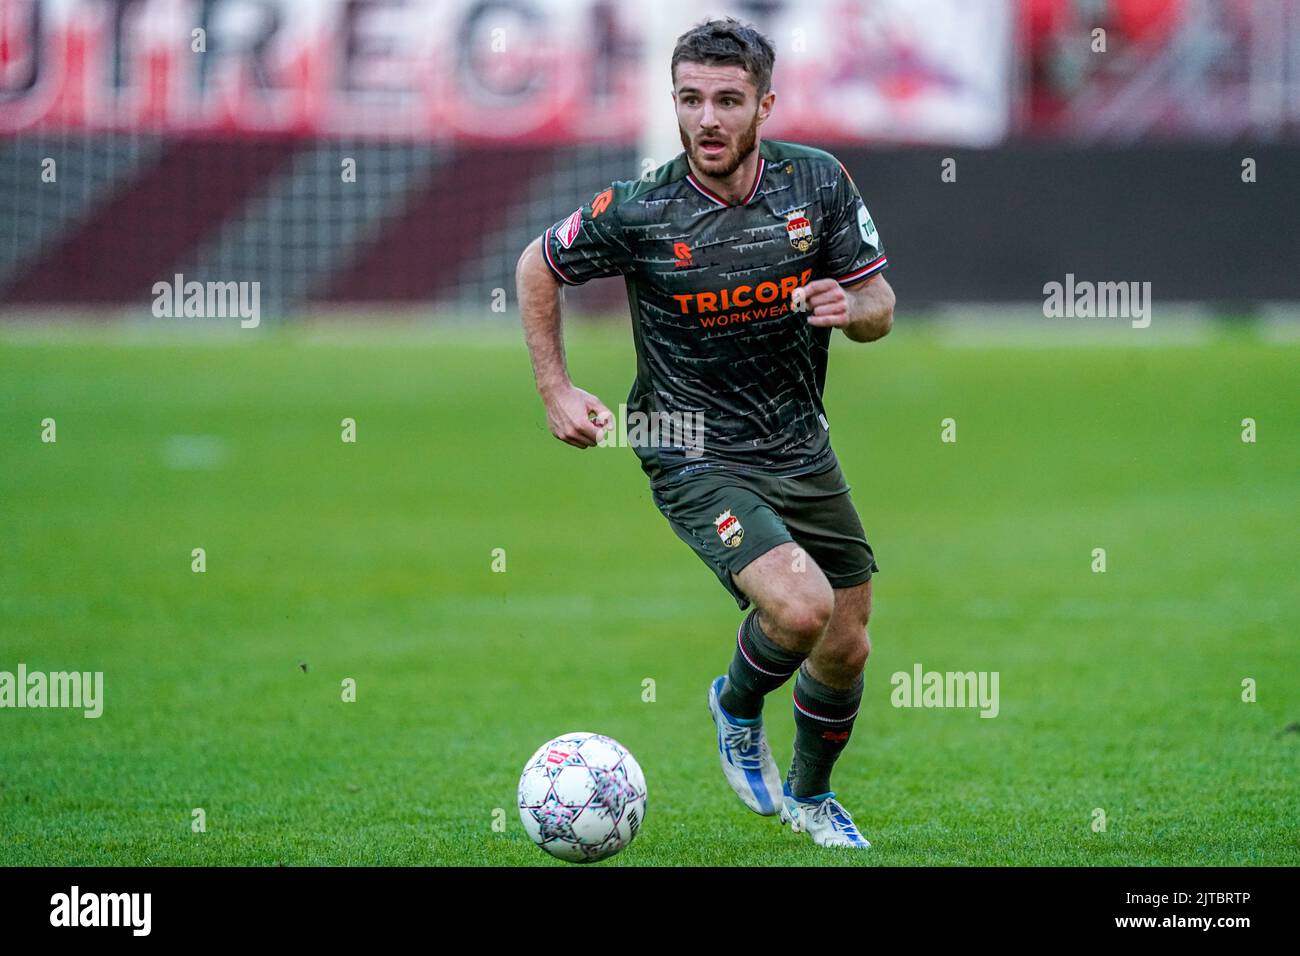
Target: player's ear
{"type": "Point", "coordinates": [765, 105]}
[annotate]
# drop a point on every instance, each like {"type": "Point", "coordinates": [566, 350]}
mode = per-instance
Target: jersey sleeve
{"type": "Point", "coordinates": [853, 251]}
{"type": "Point", "coordinates": [589, 243]}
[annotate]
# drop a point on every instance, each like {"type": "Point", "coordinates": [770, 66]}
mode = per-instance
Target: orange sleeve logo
{"type": "Point", "coordinates": [601, 202]}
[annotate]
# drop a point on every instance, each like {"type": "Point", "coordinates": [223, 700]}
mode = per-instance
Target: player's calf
{"type": "Point", "coordinates": [793, 609]}
{"type": "Point", "coordinates": [823, 721]}
{"type": "Point", "coordinates": [828, 693]}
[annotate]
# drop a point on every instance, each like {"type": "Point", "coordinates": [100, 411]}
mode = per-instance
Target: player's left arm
{"type": "Point", "coordinates": [864, 311]}
{"type": "Point", "coordinates": [853, 296]}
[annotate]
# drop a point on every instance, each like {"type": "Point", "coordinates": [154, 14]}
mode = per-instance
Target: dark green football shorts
{"type": "Point", "coordinates": [729, 519]}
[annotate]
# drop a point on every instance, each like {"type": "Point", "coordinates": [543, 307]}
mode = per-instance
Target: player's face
{"type": "Point", "coordinates": [718, 115]}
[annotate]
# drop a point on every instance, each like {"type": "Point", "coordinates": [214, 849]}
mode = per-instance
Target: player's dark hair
{"type": "Point", "coordinates": [728, 42]}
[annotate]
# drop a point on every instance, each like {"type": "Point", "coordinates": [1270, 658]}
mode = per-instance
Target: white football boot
{"type": "Point", "coordinates": [823, 818]}
{"type": "Point", "coordinates": [746, 757]}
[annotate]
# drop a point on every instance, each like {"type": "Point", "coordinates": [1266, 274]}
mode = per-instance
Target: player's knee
{"type": "Point", "coordinates": [854, 658]}
{"type": "Point", "coordinates": [843, 656]}
{"type": "Point", "coordinates": [804, 618]}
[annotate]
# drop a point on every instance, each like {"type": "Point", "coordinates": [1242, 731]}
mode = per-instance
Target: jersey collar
{"type": "Point", "coordinates": [709, 194]}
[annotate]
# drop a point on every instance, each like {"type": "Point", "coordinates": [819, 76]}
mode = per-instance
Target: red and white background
{"type": "Point", "coordinates": [208, 136]}
{"type": "Point", "coordinates": [496, 72]}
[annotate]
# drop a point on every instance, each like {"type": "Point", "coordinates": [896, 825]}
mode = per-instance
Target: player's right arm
{"type": "Point", "coordinates": [569, 409]}
{"type": "Point", "coordinates": [588, 244]}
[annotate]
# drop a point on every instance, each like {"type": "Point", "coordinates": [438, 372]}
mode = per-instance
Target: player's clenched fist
{"type": "Point", "coordinates": [577, 417]}
{"type": "Point", "coordinates": [825, 301]}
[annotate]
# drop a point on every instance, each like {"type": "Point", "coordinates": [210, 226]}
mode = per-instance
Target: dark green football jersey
{"type": "Point", "coordinates": [728, 374]}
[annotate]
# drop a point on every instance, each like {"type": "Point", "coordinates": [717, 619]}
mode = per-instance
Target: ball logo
{"type": "Point", "coordinates": [568, 230]}
{"type": "Point", "coordinates": [730, 530]}
{"type": "Point", "coordinates": [799, 229]}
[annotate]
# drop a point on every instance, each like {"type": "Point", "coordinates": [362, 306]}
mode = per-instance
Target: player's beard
{"type": "Point", "coordinates": [744, 146]}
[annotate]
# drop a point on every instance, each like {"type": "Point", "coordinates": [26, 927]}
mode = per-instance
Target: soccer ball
{"type": "Point", "coordinates": [582, 797]}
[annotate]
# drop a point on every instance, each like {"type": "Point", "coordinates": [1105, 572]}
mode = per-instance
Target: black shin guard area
{"type": "Point", "coordinates": [823, 721]}
{"type": "Point", "coordinates": [758, 667]}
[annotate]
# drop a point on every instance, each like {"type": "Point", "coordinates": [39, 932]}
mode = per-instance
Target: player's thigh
{"type": "Point", "coordinates": [790, 589]}
{"type": "Point", "coordinates": [852, 606]}
{"type": "Point", "coordinates": [822, 519]}
{"type": "Point", "coordinates": [728, 525]}
{"type": "Point", "coordinates": [846, 638]}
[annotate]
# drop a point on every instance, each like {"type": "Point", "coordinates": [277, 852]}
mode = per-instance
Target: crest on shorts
{"type": "Point", "coordinates": [799, 229]}
{"type": "Point", "coordinates": [730, 530]}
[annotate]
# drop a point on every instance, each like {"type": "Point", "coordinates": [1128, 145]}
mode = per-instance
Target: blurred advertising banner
{"type": "Point", "coordinates": [1125, 71]}
{"type": "Point", "coordinates": [538, 71]}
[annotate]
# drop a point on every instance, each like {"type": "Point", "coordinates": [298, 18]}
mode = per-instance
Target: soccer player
{"type": "Point", "coordinates": [741, 256]}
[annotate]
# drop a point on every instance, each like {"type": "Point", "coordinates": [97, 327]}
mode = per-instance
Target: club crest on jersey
{"type": "Point", "coordinates": [568, 230]}
{"type": "Point", "coordinates": [730, 530]}
{"type": "Point", "coordinates": [799, 229]}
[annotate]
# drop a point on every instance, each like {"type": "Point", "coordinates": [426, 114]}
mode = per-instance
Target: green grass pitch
{"type": "Point", "coordinates": [1119, 691]}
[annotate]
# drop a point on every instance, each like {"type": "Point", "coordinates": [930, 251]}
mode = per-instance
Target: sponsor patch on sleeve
{"type": "Point", "coordinates": [568, 230]}
{"type": "Point", "coordinates": [865, 226]}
